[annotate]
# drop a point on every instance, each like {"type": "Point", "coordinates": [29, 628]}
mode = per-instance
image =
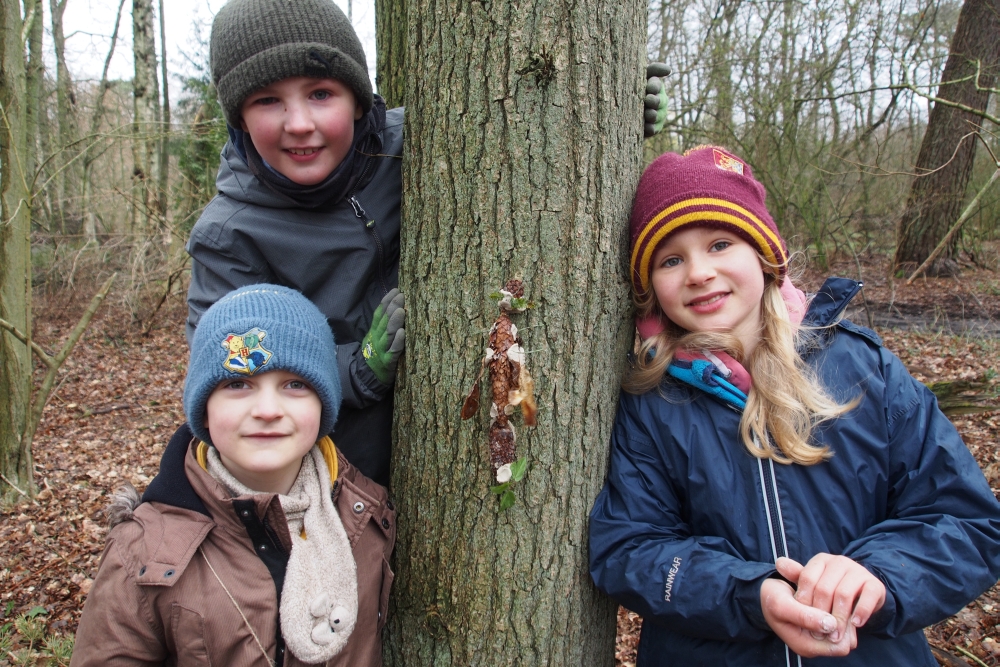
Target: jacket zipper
{"type": "Point", "coordinates": [775, 525]}
{"type": "Point", "coordinates": [370, 226]}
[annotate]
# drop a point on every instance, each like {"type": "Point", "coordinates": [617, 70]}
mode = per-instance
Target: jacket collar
{"type": "Point", "coordinates": [830, 301]}
{"type": "Point", "coordinates": [171, 485]}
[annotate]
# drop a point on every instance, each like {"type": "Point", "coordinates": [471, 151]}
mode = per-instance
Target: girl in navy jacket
{"type": "Point", "coordinates": [781, 491]}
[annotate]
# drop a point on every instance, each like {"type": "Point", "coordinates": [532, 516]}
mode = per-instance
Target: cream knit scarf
{"type": "Point", "coordinates": [319, 601]}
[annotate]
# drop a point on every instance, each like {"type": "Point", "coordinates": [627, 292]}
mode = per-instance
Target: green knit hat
{"type": "Point", "coordinates": [257, 42]}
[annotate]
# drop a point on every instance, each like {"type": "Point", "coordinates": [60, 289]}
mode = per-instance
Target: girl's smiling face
{"type": "Point", "coordinates": [708, 279]}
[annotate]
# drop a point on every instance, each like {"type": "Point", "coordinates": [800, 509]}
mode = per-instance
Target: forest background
{"type": "Point", "coordinates": [872, 124]}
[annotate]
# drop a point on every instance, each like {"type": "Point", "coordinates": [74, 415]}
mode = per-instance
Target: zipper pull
{"type": "Point", "coordinates": [360, 212]}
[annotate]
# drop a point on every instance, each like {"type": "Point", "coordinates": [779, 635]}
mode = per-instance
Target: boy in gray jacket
{"type": "Point", "coordinates": [309, 197]}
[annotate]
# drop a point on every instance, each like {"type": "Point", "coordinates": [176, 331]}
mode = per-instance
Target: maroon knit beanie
{"type": "Point", "coordinates": [707, 186]}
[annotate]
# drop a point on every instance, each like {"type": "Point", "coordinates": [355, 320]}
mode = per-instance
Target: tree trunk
{"type": "Point", "coordinates": [34, 75]}
{"type": "Point", "coordinates": [67, 178]}
{"type": "Point", "coordinates": [96, 118]}
{"type": "Point", "coordinates": [721, 69]}
{"type": "Point", "coordinates": [936, 199]}
{"type": "Point", "coordinates": [145, 121]}
{"type": "Point", "coordinates": [15, 273]}
{"type": "Point", "coordinates": [523, 149]}
{"type": "Point", "coordinates": [164, 153]}
{"type": "Point", "coordinates": [390, 65]}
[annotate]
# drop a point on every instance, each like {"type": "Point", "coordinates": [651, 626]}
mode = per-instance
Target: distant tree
{"type": "Point", "coordinates": [198, 149]}
{"type": "Point", "coordinates": [146, 119]}
{"type": "Point", "coordinates": [390, 35]}
{"type": "Point", "coordinates": [944, 164]}
{"type": "Point", "coordinates": [68, 174]}
{"type": "Point", "coordinates": [163, 149]}
{"type": "Point", "coordinates": [34, 80]}
{"type": "Point", "coordinates": [94, 149]}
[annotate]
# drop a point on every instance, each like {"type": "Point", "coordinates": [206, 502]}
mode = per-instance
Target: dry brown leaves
{"type": "Point", "coordinates": [118, 401]}
{"type": "Point", "coordinates": [116, 404]}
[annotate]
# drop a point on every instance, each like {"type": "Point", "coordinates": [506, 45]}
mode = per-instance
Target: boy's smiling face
{"type": "Point", "coordinates": [302, 127]}
{"type": "Point", "coordinates": [262, 426]}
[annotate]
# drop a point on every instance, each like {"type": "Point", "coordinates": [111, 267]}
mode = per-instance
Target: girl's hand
{"type": "Point", "coordinates": [806, 630]}
{"type": "Point", "coordinates": [836, 585]}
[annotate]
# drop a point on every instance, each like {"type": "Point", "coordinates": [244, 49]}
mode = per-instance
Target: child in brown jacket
{"type": "Point", "coordinates": [257, 543]}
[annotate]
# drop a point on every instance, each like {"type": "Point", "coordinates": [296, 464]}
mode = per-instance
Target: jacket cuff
{"type": "Point", "coordinates": [358, 383]}
{"type": "Point", "coordinates": [748, 596]}
{"type": "Point", "coordinates": [879, 622]}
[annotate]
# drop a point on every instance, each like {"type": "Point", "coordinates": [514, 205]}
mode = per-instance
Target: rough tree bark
{"type": "Point", "coordinates": [15, 278]}
{"type": "Point", "coordinates": [390, 59]}
{"type": "Point", "coordinates": [146, 118]}
{"type": "Point", "coordinates": [935, 200]}
{"type": "Point", "coordinates": [523, 149]}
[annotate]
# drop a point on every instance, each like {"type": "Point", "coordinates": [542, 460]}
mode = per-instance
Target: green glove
{"type": "Point", "coordinates": [655, 103]}
{"type": "Point", "coordinates": [386, 340]}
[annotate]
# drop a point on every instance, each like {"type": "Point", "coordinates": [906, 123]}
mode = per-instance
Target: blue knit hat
{"type": "Point", "coordinates": [258, 329]}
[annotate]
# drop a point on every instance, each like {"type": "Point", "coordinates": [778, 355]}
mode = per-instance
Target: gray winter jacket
{"type": "Point", "coordinates": [344, 259]}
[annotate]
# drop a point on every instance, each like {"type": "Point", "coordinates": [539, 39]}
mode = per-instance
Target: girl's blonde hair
{"type": "Point", "coordinates": [781, 412]}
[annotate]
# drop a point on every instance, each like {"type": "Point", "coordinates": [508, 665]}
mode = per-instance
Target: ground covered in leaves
{"type": "Point", "coordinates": [118, 400]}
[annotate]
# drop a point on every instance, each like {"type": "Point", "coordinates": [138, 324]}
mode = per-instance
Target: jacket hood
{"type": "Point", "coordinates": [171, 485]}
{"type": "Point", "coordinates": [122, 506]}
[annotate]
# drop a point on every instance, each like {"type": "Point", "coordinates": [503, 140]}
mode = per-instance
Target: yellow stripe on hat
{"type": "Point", "coordinates": [760, 232]}
{"type": "Point", "coordinates": [703, 201]}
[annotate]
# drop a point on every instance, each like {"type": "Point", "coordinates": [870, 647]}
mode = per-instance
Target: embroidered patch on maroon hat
{"type": "Point", "coordinates": [727, 162]}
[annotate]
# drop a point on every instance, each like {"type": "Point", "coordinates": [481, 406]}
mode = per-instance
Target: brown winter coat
{"type": "Point", "coordinates": [156, 601]}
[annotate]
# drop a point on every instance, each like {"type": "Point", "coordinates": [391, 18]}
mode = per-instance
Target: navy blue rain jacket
{"type": "Point", "coordinates": [681, 531]}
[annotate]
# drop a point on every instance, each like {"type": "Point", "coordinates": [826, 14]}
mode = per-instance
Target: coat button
{"type": "Point", "coordinates": [245, 514]}
{"type": "Point", "coordinates": [142, 570]}
{"type": "Point", "coordinates": [385, 524]}
{"type": "Point", "coordinates": [389, 504]}
{"type": "Point", "coordinates": [168, 574]}
{"type": "Point", "coordinates": [359, 507]}
{"type": "Point", "coordinates": [262, 547]}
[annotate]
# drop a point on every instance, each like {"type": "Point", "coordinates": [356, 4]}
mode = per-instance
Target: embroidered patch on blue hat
{"type": "Point", "coordinates": [246, 354]}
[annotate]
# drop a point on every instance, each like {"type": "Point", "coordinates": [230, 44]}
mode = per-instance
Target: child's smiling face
{"type": "Point", "coordinates": [262, 426]}
{"type": "Point", "coordinates": [302, 127]}
{"type": "Point", "coordinates": [708, 279]}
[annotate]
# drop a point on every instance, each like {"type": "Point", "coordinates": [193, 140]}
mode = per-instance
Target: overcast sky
{"type": "Point", "coordinates": [88, 25]}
